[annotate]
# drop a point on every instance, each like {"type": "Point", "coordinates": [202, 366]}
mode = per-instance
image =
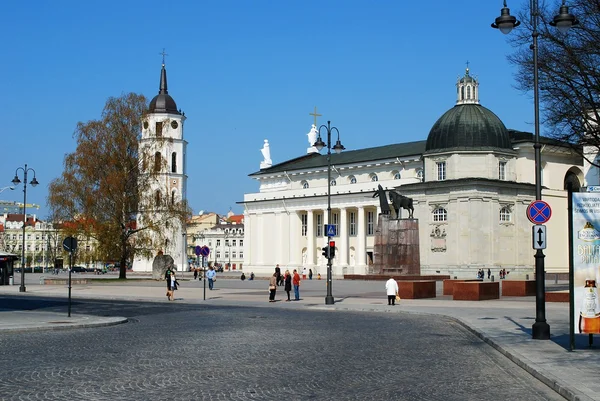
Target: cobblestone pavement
{"type": "Point", "coordinates": [195, 352]}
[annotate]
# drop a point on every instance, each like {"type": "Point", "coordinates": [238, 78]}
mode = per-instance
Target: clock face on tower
{"type": "Point", "coordinates": [174, 124]}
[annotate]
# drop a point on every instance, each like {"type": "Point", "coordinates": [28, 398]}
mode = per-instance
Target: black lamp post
{"type": "Point", "coordinates": [338, 147]}
{"type": "Point", "coordinates": [33, 183]}
{"type": "Point", "coordinates": [563, 21]}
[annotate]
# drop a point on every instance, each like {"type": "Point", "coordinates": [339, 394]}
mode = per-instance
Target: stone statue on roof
{"type": "Point", "coordinates": [312, 138]}
{"type": "Point", "coordinates": [266, 152]}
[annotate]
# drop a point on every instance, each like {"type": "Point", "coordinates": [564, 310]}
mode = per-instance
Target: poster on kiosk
{"type": "Point", "coordinates": [586, 263]}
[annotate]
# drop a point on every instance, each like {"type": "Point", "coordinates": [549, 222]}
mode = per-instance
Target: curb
{"type": "Point", "coordinates": [113, 322]}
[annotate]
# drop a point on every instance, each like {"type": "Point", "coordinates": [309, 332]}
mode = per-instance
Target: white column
{"type": "Point", "coordinates": [247, 235]}
{"type": "Point", "coordinates": [361, 234]}
{"type": "Point", "coordinates": [343, 234]}
{"type": "Point", "coordinates": [257, 243]}
{"type": "Point", "coordinates": [310, 236]}
{"type": "Point", "coordinates": [295, 235]}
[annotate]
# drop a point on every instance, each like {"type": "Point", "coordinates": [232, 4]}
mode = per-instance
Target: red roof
{"type": "Point", "coordinates": [236, 218]}
{"type": "Point", "coordinates": [19, 217]}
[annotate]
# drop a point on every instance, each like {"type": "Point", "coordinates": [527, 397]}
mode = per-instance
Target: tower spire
{"type": "Point", "coordinates": [163, 75]}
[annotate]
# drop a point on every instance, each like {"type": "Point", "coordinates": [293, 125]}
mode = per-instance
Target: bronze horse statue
{"type": "Point", "coordinates": [401, 201]}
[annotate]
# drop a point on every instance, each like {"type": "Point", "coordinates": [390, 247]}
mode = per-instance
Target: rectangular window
{"type": "Point", "coordinates": [218, 254]}
{"type": "Point", "coordinates": [226, 254]}
{"type": "Point", "coordinates": [14, 236]}
{"type": "Point", "coordinates": [241, 255]}
{"type": "Point", "coordinates": [441, 171]}
{"type": "Point", "coordinates": [37, 247]}
{"type": "Point", "coordinates": [218, 242]}
{"type": "Point", "coordinates": [335, 217]}
{"type": "Point", "coordinates": [370, 223]}
{"type": "Point", "coordinates": [209, 243]}
{"type": "Point", "coordinates": [159, 127]}
{"type": "Point", "coordinates": [233, 242]}
{"type": "Point", "coordinates": [241, 242]}
{"type": "Point", "coordinates": [319, 225]}
{"type": "Point", "coordinates": [226, 242]}
{"type": "Point", "coordinates": [352, 224]}
{"type": "Point", "coordinates": [37, 237]}
{"type": "Point", "coordinates": [233, 254]}
{"type": "Point", "coordinates": [304, 218]}
{"type": "Point", "coordinates": [28, 237]}
{"type": "Point", "coordinates": [502, 171]}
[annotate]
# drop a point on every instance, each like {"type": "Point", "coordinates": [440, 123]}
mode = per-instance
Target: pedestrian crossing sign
{"type": "Point", "coordinates": [330, 230]}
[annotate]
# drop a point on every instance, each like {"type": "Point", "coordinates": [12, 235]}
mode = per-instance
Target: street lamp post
{"type": "Point", "coordinates": [505, 23]}
{"type": "Point", "coordinates": [33, 183]}
{"type": "Point", "coordinates": [338, 147]}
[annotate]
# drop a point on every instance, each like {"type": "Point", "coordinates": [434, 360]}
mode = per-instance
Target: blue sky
{"type": "Point", "coordinates": [243, 71]}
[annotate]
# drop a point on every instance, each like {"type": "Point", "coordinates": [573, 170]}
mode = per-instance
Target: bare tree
{"type": "Point", "coordinates": [569, 71]}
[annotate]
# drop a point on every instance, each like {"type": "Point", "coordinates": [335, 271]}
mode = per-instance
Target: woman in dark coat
{"type": "Point", "coordinates": [288, 283]}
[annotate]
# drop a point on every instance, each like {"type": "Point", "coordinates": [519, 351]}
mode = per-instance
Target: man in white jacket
{"type": "Point", "coordinates": [391, 287]}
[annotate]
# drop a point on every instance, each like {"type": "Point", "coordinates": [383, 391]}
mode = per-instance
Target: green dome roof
{"type": "Point", "coordinates": [468, 127]}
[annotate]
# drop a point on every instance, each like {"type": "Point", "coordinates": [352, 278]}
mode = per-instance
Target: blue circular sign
{"type": "Point", "coordinates": [204, 251]}
{"type": "Point", "coordinates": [198, 250]}
{"type": "Point", "coordinates": [539, 212]}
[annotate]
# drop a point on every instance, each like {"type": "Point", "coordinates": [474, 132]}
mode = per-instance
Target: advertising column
{"type": "Point", "coordinates": [586, 261]}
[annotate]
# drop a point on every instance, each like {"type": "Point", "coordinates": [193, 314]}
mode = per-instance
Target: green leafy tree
{"type": "Point", "coordinates": [106, 182]}
{"type": "Point", "coordinates": [569, 71]}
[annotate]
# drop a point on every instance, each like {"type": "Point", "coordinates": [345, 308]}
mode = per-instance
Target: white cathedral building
{"type": "Point", "coordinates": [162, 139]}
{"type": "Point", "coordinates": [471, 181]}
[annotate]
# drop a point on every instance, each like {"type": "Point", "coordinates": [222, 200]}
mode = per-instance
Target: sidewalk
{"type": "Point", "coordinates": [505, 324]}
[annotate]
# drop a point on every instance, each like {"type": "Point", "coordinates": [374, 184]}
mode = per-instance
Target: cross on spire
{"type": "Point", "coordinates": [163, 55]}
{"type": "Point", "coordinates": [315, 114]}
{"type": "Point", "coordinates": [467, 67]}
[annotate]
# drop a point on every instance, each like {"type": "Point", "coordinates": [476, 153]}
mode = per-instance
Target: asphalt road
{"type": "Point", "coordinates": [174, 351]}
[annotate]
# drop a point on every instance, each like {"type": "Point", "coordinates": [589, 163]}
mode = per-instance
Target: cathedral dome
{"type": "Point", "coordinates": [163, 102]}
{"type": "Point", "coordinates": [468, 125]}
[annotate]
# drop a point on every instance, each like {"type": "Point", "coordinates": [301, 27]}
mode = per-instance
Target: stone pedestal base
{"type": "Point", "coordinates": [396, 250]}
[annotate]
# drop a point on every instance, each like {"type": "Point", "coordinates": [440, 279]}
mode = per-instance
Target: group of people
{"type": "Point", "coordinates": [481, 274]}
{"type": "Point", "coordinates": [288, 281]}
{"type": "Point", "coordinates": [172, 283]}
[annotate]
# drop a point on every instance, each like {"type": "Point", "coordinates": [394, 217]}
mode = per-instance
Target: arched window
{"type": "Point", "coordinates": [469, 92]}
{"type": "Point", "coordinates": [505, 214]}
{"type": "Point", "coordinates": [352, 179]}
{"type": "Point", "coordinates": [440, 214]}
{"type": "Point", "coordinates": [172, 197]}
{"type": "Point", "coordinates": [157, 162]}
{"type": "Point", "coordinates": [157, 198]}
{"type": "Point", "coordinates": [572, 178]}
{"type": "Point", "coordinates": [420, 174]}
{"type": "Point", "coordinates": [374, 177]}
{"type": "Point", "coordinates": [305, 184]}
{"type": "Point", "coordinates": [332, 183]}
{"type": "Point", "coordinates": [174, 162]}
{"type": "Point", "coordinates": [396, 175]}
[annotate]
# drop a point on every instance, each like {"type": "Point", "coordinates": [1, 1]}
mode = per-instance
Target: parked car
{"type": "Point", "coordinates": [78, 269]}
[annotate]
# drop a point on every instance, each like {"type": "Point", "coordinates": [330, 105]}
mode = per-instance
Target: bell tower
{"type": "Point", "coordinates": [467, 89]}
{"type": "Point", "coordinates": [164, 147]}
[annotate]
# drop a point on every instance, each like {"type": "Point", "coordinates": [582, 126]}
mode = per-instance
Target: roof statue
{"type": "Point", "coordinates": [312, 138]}
{"type": "Point", "coordinates": [266, 152]}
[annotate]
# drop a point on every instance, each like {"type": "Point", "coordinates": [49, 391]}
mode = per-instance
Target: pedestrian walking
{"type": "Point", "coordinates": [391, 288]}
{"type": "Point", "coordinates": [211, 275]}
{"type": "Point", "coordinates": [310, 274]}
{"type": "Point", "coordinates": [303, 273]}
{"type": "Point", "coordinates": [272, 287]}
{"type": "Point", "coordinates": [296, 283]}
{"type": "Point", "coordinates": [288, 284]}
{"type": "Point", "coordinates": [489, 274]}
{"type": "Point", "coordinates": [278, 275]}
{"type": "Point", "coordinates": [195, 274]}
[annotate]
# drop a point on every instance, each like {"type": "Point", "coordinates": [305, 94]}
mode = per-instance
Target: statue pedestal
{"type": "Point", "coordinates": [396, 250]}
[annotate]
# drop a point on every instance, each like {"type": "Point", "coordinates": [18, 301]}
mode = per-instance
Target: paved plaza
{"type": "Point", "coordinates": [235, 345]}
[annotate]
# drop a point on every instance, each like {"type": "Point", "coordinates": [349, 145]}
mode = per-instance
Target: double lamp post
{"type": "Point", "coordinates": [505, 23]}
{"type": "Point", "coordinates": [33, 183]}
{"type": "Point", "coordinates": [338, 147]}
